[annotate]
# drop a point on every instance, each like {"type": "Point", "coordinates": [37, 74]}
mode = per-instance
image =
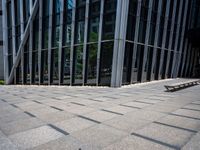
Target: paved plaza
{"type": "Point", "coordinates": [135, 117]}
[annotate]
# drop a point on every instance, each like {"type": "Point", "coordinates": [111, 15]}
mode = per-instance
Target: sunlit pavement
{"type": "Point", "coordinates": [135, 117]}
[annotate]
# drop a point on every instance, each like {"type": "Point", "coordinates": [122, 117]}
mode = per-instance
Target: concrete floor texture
{"type": "Point", "coordinates": [135, 117]}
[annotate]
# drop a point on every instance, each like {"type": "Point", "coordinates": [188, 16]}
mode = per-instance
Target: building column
{"type": "Point", "coordinates": [22, 34]}
{"type": "Point", "coordinates": [72, 43]}
{"type": "Point", "coordinates": [50, 74]}
{"type": "Point", "coordinates": [13, 36]}
{"type": "Point", "coordinates": [5, 40]}
{"type": "Point", "coordinates": [85, 41]}
{"type": "Point", "coordinates": [31, 44]}
{"type": "Point", "coordinates": [99, 41]}
{"type": "Point", "coordinates": [60, 53]}
{"type": "Point", "coordinates": [119, 42]}
{"type": "Point", "coordinates": [40, 41]}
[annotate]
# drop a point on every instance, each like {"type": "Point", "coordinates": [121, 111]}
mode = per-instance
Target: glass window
{"type": "Point", "coordinates": [54, 65]}
{"type": "Point", "coordinates": [106, 62]}
{"type": "Point", "coordinates": [35, 75]}
{"type": "Point", "coordinates": [66, 65]}
{"type": "Point", "coordinates": [67, 22]}
{"type": "Point", "coordinates": [80, 22]}
{"type": "Point", "coordinates": [94, 16]}
{"type": "Point", "coordinates": [91, 63]}
{"type": "Point", "coordinates": [78, 65]}
{"type": "Point", "coordinates": [56, 23]}
{"type": "Point", "coordinates": [109, 19]}
{"type": "Point", "coordinates": [45, 24]}
{"type": "Point", "coordinates": [44, 69]}
{"type": "Point", "coordinates": [131, 20]}
{"type": "Point", "coordinates": [128, 57]}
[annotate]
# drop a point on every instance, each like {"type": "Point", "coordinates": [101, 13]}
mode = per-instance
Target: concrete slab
{"type": "Point", "coordinates": [187, 113]}
{"type": "Point", "coordinates": [63, 143]}
{"type": "Point", "coordinates": [126, 124]}
{"type": "Point", "coordinates": [55, 117]}
{"type": "Point", "coordinates": [20, 125]}
{"type": "Point", "coordinates": [133, 142]}
{"type": "Point", "coordinates": [182, 122]}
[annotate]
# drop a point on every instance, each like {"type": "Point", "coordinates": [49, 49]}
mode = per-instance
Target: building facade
{"type": "Point", "coordinates": [98, 42]}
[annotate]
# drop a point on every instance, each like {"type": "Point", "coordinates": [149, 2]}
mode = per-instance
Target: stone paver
{"type": "Point", "coordinates": [140, 116]}
{"type": "Point", "coordinates": [35, 137]}
{"type": "Point", "coordinates": [131, 143]}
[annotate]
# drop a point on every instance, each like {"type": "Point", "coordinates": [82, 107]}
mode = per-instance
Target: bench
{"type": "Point", "coordinates": [181, 85]}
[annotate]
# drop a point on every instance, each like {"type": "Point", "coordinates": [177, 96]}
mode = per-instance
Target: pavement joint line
{"type": "Point", "coordinates": [23, 97]}
{"type": "Point", "coordinates": [184, 116]}
{"type": "Point", "coordinates": [156, 141]}
{"type": "Point", "coordinates": [185, 129]}
{"type": "Point", "coordinates": [37, 102]}
{"type": "Point", "coordinates": [56, 108]}
{"type": "Point", "coordinates": [83, 117]}
{"type": "Point", "coordinates": [58, 129]}
{"type": "Point", "coordinates": [151, 98]}
{"type": "Point", "coordinates": [77, 103]}
{"type": "Point", "coordinates": [130, 106]}
{"type": "Point", "coordinates": [56, 98]}
{"type": "Point", "coordinates": [113, 112]}
{"type": "Point", "coordinates": [3, 100]}
{"type": "Point", "coordinates": [194, 104]}
{"type": "Point", "coordinates": [143, 102]}
{"type": "Point", "coordinates": [14, 105]}
{"type": "Point", "coordinates": [28, 113]}
{"type": "Point", "coordinates": [190, 109]}
{"type": "Point", "coordinates": [109, 97]}
{"type": "Point", "coordinates": [95, 100]}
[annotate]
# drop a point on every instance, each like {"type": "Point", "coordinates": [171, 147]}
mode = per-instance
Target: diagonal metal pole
{"type": "Point", "coordinates": [24, 39]}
